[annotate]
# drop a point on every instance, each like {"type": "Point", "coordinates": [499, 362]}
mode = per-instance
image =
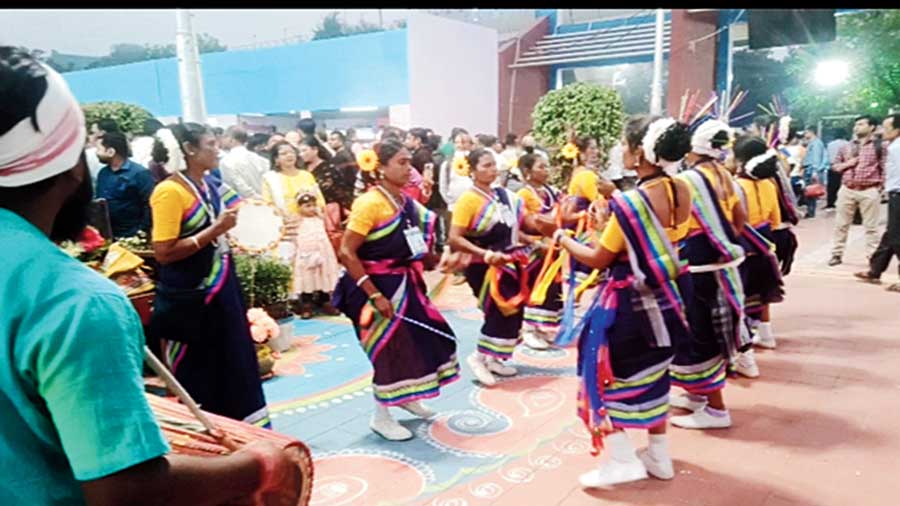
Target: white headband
{"type": "Point", "coordinates": [28, 155]}
{"type": "Point", "coordinates": [758, 159]}
{"type": "Point", "coordinates": [654, 132]}
{"type": "Point", "coordinates": [176, 161]}
{"type": "Point", "coordinates": [701, 141]}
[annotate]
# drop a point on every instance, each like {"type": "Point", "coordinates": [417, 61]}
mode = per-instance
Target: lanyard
{"type": "Point", "coordinates": [396, 205]}
{"type": "Point", "coordinates": [544, 206]}
{"type": "Point", "coordinates": [205, 202]}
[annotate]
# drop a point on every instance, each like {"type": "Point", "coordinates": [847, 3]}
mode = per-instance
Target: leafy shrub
{"type": "Point", "coordinates": [129, 117]}
{"type": "Point", "coordinates": [265, 281]}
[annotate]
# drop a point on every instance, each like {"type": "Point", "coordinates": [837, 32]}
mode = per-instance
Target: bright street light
{"type": "Point", "coordinates": [831, 73]}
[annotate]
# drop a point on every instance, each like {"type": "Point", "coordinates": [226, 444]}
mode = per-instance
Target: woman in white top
{"type": "Point", "coordinates": [454, 183]}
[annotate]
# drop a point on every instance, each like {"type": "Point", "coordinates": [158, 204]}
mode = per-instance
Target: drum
{"type": "Point", "coordinates": [187, 436]}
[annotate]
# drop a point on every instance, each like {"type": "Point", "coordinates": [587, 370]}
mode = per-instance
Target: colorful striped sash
{"type": "Point", "coordinates": [653, 259]}
{"type": "Point", "coordinates": [708, 212]}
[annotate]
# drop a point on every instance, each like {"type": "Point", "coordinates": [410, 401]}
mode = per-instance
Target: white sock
{"type": "Point", "coordinates": [658, 447]}
{"type": "Point", "coordinates": [620, 448]}
{"type": "Point", "coordinates": [765, 331]}
{"type": "Point", "coordinates": [382, 412]}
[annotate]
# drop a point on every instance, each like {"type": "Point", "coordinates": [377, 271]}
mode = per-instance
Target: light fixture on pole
{"type": "Point", "coordinates": [656, 85]}
{"type": "Point", "coordinates": [830, 73]}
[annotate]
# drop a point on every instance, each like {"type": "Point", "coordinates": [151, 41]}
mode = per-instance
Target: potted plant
{"type": "Point", "coordinates": [265, 282]}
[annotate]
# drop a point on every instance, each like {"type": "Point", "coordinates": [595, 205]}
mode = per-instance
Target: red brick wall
{"type": "Point", "coordinates": [693, 70]}
{"type": "Point", "coordinates": [531, 83]}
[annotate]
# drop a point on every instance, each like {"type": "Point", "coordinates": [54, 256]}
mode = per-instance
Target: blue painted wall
{"type": "Point", "coordinates": [361, 70]}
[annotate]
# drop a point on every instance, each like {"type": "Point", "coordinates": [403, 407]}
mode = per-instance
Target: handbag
{"type": "Point", "coordinates": [180, 315]}
{"type": "Point", "coordinates": [814, 190]}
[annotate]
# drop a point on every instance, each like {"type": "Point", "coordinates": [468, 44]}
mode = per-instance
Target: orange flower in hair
{"type": "Point", "coordinates": [461, 166]}
{"type": "Point", "coordinates": [569, 151]}
{"type": "Point", "coordinates": [367, 160]}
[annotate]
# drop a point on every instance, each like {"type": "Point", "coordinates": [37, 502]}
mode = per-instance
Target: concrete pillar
{"type": "Point", "coordinates": [691, 66]}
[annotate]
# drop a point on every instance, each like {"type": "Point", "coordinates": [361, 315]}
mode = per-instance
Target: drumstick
{"type": "Point", "coordinates": [185, 398]}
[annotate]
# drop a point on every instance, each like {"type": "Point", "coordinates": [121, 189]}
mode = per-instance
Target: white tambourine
{"type": "Point", "coordinates": [260, 227]}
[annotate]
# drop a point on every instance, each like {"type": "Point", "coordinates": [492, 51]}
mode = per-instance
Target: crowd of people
{"type": "Point", "coordinates": [672, 253]}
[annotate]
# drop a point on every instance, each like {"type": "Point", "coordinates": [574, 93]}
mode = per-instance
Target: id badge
{"type": "Point", "coordinates": [507, 216]}
{"type": "Point", "coordinates": [416, 241]}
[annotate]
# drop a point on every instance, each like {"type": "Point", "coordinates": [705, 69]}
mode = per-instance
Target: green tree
{"type": "Point", "coordinates": [121, 54]}
{"type": "Point", "coordinates": [868, 41]}
{"type": "Point", "coordinates": [332, 26]}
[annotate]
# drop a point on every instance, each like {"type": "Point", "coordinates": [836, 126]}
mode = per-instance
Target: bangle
{"type": "Point", "coordinates": [488, 254]}
{"type": "Point", "coordinates": [196, 241]}
{"type": "Point", "coordinates": [375, 296]}
{"type": "Point", "coordinates": [559, 234]}
{"type": "Point", "coordinates": [362, 280]}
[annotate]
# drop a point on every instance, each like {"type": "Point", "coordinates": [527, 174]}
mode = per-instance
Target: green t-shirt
{"type": "Point", "coordinates": [72, 405]}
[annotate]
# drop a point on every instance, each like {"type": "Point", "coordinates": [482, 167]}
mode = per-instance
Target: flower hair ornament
{"type": "Point", "coordinates": [654, 132]}
{"type": "Point", "coordinates": [461, 166]}
{"type": "Point", "coordinates": [367, 160]}
{"type": "Point", "coordinates": [176, 161]}
{"type": "Point", "coordinates": [757, 160]}
{"type": "Point", "coordinates": [701, 141]}
{"type": "Point", "coordinates": [569, 151]}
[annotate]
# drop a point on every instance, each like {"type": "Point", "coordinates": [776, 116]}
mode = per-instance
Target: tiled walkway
{"type": "Point", "coordinates": [817, 428]}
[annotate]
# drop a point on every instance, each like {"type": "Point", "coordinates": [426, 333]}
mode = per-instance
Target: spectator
{"type": "Point", "coordinates": [142, 145]}
{"type": "Point", "coordinates": [815, 165]}
{"type": "Point", "coordinates": [343, 159]}
{"type": "Point", "coordinates": [450, 146]}
{"type": "Point", "coordinates": [97, 130]}
{"type": "Point", "coordinates": [436, 202]}
{"type": "Point", "coordinates": [834, 178]}
{"type": "Point", "coordinates": [490, 144]}
{"type": "Point", "coordinates": [125, 185]}
{"type": "Point", "coordinates": [861, 165]}
{"type": "Point", "coordinates": [529, 145]}
{"type": "Point", "coordinates": [417, 144]}
{"type": "Point", "coordinates": [890, 241]}
{"type": "Point", "coordinates": [452, 182]}
{"type": "Point", "coordinates": [242, 169]}
{"type": "Point", "coordinates": [293, 138]}
{"type": "Point", "coordinates": [257, 144]}
{"type": "Point", "coordinates": [159, 157]}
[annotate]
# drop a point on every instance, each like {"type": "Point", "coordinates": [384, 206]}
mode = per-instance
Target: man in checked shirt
{"type": "Point", "coordinates": [861, 165]}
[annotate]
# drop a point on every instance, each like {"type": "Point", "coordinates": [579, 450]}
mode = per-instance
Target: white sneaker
{"type": "Point", "coordinates": [480, 370]}
{"type": "Point", "coordinates": [657, 469]}
{"type": "Point", "coordinates": [498, 367]}
{"type": "Point", "coordinates": [531, 339]}
{"type": "Point", "coordinates": [418, 409]}
{"type": "Point", "coordinates": [614, 472]}
{"type": "Point", "coordinates": [684, 401]}
{"type": "Point", "coordinates": [745, 365]}
{"type": "Point", "coordinates": [764, 342]}
{"type": "Point", "coordinates": [702, 420]}
{"type": "Point", "coordinates": [389, 429]}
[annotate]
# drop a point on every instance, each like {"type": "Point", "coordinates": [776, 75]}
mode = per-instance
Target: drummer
{"type": "Point", "coordinates": [75, 427]}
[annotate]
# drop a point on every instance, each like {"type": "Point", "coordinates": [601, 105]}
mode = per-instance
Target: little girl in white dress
{"type": "Point", "coordinates": [316, 267]}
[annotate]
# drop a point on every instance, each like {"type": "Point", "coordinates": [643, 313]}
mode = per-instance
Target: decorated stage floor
{"type": "Point", "coordinates": [817, 428]}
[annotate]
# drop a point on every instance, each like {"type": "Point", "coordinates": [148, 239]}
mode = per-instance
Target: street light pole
{"type": "Point", "coordinates": [193, 105]}
{"type": "Point", "coordinates": [656, 85]}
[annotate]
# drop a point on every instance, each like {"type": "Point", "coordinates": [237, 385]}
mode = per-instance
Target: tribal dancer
{"type": "Point", "coordinates": [715, 311]}
{"type": "Point", "coordinates": [585, 188]}
{"type": "Point", "coordinates": [637, 318]}
{"type": "Point", "coordinates": [784, 238]}
{"type": "Point", "coordinates": [485, 224]}
{"type": "Point", "coordinates": [410, 345]}
{"type": "Point", "coordinates": [541, 320]}
{"type": "Point", "coordinates": [757, 166]}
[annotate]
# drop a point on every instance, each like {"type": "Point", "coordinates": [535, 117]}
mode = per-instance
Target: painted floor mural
{"type": "Point", "coordinates": [481, 439]}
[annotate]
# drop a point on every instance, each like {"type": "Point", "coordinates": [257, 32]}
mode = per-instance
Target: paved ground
{"type": "Point", "coordinates": [817, 428]}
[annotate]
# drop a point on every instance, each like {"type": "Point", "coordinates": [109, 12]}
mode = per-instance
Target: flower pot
{"type": "Point", "coordinates": [265, 359]}
{"type": "Point", "coordinates": [285, 338]}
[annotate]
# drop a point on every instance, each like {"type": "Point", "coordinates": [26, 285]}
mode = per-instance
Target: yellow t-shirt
{"type": "Point", "coordinates": [168, 202]}
{"type": "Point", "coordinates": [762, 202]}
{"type": "Point", "coordinates": [533, 203]}
{"type": "Point", "coordinates": [368, 210]}
{"type": "Point", "coordinates": [467, 208]}
{"type": "Point", "coordinates": [291, 186]}
{"type": "Point", "coordinates": [727, 205]}
{"type": "Point", "coordinates": [584, 184]}
{"type": "Point", "coordinates": [613, 238]}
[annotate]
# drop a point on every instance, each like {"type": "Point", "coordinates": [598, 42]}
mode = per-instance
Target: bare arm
{"type": "Point", "coordinates": [350, 244]}
{"type": "Point", "coordinates": [458, 242]}
{"type": "Point", "coordinates": [177, 480]}
{"type": "Point", "coordinates": [599, 258]}
{"type": "Point", "coordinates": [174, 250]}
{"type": "Point", "coordinates": [738, 217]}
